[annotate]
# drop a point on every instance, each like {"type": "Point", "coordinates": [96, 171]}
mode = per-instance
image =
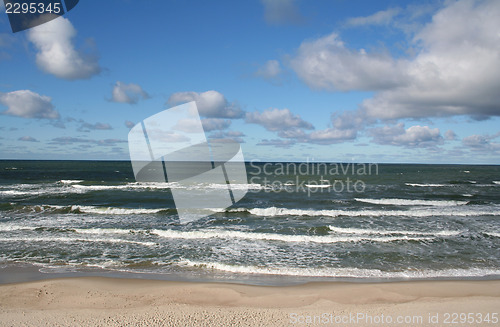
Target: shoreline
{"type": "Point", "coordinates": [27, 272]}
{"type": "Point", "coordinates": [103, 301]}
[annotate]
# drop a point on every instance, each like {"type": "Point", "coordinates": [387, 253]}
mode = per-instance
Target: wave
{"type": "Point", "coordinates": [425, 185]}
{"type": "Point", "coordinates": [133, 185]}
{"type": "Point", "coordinates": [114, 210]}
{"type": "Point", "coordinates": [160, 186]}
{"type": "Point", "coordinates": [342, 272]}
{"type": "Point", "coordinates": [496, 182]}
{"type": "Point", "coordinates": [70, 181]}
{"type": "Point", "coordinates": [105, 231]}
{"type": "Point", "coordinates": [73, 239]}
{"type": "Point", "coordinates": [222, 234]}
{"type": "Point", "coordinates": [89, 209]}
{"type": "Point", "coordinates": [493, 234]}
{"type": "Point", "coordinates": [407, 202]}
{"type": "Point", "coordinates": [14, 192]}
{"type": "Point", "coordinates": [11, 227]}
{"type": "Point", "coordinates": [360, 231]}
{"type": "Point", "coordinates": [428, 212]}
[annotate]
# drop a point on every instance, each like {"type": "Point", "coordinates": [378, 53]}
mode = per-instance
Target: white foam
{"type": "Point", "coordinates": [103, 231]}
{"type": "Point", "coordinates": [10, 227]}
{"type": "Point", "coordinates": [342, 272]}
{"type": "Point", "coordinates": [360, 231]}
{"type": "Point", "coordinates": [134, 185]}
{"type": "Point", "coordinates": [14, 192]}
{"type": "Point", "coordinates": [493, 234]}
{"type": "Point", "coordinates": [317, 185]}
{"type": "Point", "coordinates": [72, 239]}
{"type": "Point", "coordinates": [223, 234]}
{"type": "Point", "coordinates": [496, 182]}
{"type": "Point", "coordinates": [407, 202]}
{"type": "Point", "coordinates": [161, 186]}
{"type": "Point", "coordinates": [427, 212]}
{"type": "Point", "coordinates": [70, 181]}
{"type": "Point", "coordinates": [114, 211]}
{"type": "Point", "coordinates": [425, 185]}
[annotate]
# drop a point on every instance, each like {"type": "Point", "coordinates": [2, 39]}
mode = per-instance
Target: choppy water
{"type": "Point", "coordinates": [307, 221]}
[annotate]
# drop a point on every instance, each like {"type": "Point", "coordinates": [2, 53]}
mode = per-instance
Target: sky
{"type": "Point", "coordinates": [336, 81]}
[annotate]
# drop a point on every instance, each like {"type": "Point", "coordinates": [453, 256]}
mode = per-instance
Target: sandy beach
{"type": "Point", "coordinates": [98, 301]}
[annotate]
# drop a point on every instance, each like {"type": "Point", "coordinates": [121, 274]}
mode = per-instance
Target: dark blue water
{"type": "Point", "coordinates": [297, 220]}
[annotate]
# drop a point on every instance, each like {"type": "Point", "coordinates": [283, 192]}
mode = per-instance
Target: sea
{"type": "Point", "coordinates": [298, 222]}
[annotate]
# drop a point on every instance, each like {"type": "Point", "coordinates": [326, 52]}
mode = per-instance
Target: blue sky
{"type": "Point", "coordinates": [362, 81]}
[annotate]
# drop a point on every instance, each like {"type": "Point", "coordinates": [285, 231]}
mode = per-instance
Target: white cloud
{"type": "Point", "coordinates": [277, 143]}
{"type": "Point", "coordinates": [482, 143]}
{"type": "Point", "coordinates": [28, 104]}
{"type": "Point", "coordinates": [85, 126]}
{"type": "Point", "coordinates": [212, 124]}
{"type": "Point", "coordinates": [28, 139]}
{"type": "Point", "coordinates": [281, 12]}
{"type": "Point", "coordinates": [331, 136]}
{"type": "Point", "coordinates": [291, 127]}
{"type": "Point", "coordinates": [450, 135]}
{"type": "Point", "coordinates": [326, 63]}
{"type": "Point", "coordinates": [414, 136]}
{"type": "Point", "coordinates": [225, 136]}
{"type": "Point", "coordinates": [211, 104]}
{"type": "Point", "coordinates": [382, 17]}
{"type": "Point", "coordinates": [209, 124]}
{"type": "Point", "coordinates": [270, 71]}
{"type": "Point", "coordinates": [57, 54]}
{"type": "Point", "coordinates": [67, 140]}
{"type": "Point", "coordinates": [277, 120]}
{"type": "Point", "coordinates": [455, 70]}
{"type": "Point", "coordinates": [128, 93]}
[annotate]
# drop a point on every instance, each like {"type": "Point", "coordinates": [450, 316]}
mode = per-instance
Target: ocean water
{"type": "Point", "coordinates": [298, 221]}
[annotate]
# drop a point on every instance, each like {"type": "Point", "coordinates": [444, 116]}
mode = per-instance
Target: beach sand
{"type": "Point", "coordinates": [99, 301]}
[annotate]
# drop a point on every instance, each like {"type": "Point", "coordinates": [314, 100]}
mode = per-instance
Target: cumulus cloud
{"type": "Point", "coordinates": [326, 63]}
{"type": "Point", "coordinates": [28, 139]}
{"type": "Point", "coordinates": [128, 93]}
{"type": "Point", "coordinates": [277, 120]}
{"type": "Point", "coordinates": [382, 17]}
{"type": "Point", "coordinates": [86, 127]}
{"type": "Point", "coordinates": [344, 127]}
{"type": "Point", "coordinates": [227, 136]}
{"type": "Point", "coordinates": [414, 136]}
{"type": "Point", "coordinates": [209, 124]}
{"type": "Point", "coordinates": [28, 104]}
{"type": "Point", "coordinates": [67, 140]}
{"type": "Point", "coordinates": [279, 143]}
{"type": "Point", "coordinates": [212, 124]}
{"type": "Point", "coordinates": [454, 71]}
{"type": "Point", "coordinates": [282, 12]}
{"type": "Point", "coordinates": [331, 136]}
{"type": "Point", "coordinates": [270, 71]}
{"type": "Point", "coordinates": [482, 143]}
{"type": "Point", "coordinates": [211, 104]}
{"type": "Point", "coordinates": [56, 53]}
{"type": "Point", "coordinates": [450, 135]}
